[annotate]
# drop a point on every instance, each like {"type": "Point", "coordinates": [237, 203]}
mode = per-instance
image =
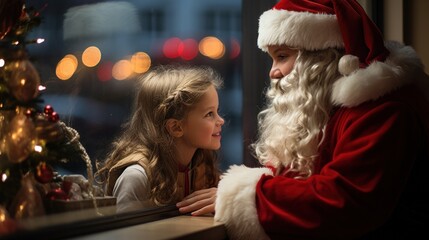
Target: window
{"type": "Point", "coordinates": [225, 20]}
{"type": "Point", "coordinates": [84, 64]}
{"type": "Point", "coordinates": [152, 20]}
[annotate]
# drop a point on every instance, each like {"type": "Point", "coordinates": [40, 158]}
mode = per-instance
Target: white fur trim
{"type": "Point", "coordinates": [379, 78]}
{"type": "Point", "coordinates": [235, 202]}
{"type": "Point", "coordinates": [348, 64]}
{"type": "Point", "coordinates": [299, 29]}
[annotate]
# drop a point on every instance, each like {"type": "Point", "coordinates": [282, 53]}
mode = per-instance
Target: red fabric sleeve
{"type": "Point", "coordinates": [364, 165]}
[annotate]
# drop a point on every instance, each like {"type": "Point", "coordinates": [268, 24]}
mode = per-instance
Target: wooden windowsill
{"type": "Point", "coordinates": [180, 227]}
{"type": "Point", "coordinates": [158, 223]}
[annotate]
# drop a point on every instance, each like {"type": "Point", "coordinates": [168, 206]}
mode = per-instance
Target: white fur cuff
{"type": "Point", "coordinates": [235, 202]}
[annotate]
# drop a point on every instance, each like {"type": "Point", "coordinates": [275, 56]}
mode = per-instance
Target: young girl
{"type": "Point", "coordinates": [168, 148]}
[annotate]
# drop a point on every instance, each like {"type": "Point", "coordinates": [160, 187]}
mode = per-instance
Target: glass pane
{"type": "Point", "coordinates": [91, 53]}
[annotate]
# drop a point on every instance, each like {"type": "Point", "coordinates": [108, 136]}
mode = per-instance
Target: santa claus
{"type": "Point", "coordinates": [343, 140]}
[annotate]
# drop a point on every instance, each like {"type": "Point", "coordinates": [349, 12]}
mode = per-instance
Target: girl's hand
{"type": "Point", "coordinates": [199, 202]}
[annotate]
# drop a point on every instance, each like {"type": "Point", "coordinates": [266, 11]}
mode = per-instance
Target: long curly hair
{"type": "Point", "coordinates": [167, 91]}
{"type": "Point", "coordinates": [298, 108]}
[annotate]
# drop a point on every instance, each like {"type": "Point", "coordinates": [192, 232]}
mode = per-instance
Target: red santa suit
{"type": "Point", "coordinates": [370, 178]}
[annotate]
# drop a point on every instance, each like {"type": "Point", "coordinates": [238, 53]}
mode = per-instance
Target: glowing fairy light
{"type": "Point", "coordinates": [38, 148]}
{"type": "Point", "coordinates": [3, 177]}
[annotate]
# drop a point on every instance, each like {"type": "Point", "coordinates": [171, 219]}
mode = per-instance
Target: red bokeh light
{"type": "Point", "coordinates": [235, 48]}
{"type": "Point", "coordinates": [104, 71]}
{"type": "Point", "coordinates": [190, 49]}
{"type": "Point", "coordinates": [172, 47]}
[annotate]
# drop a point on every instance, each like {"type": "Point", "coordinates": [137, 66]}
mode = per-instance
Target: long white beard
{"type": "Point", "coordinates": [291, 126]}
{"type": "Point", "coordinates": [299, 105]}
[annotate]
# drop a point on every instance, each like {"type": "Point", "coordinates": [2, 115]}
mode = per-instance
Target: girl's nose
{"type": "Point", "coordinates": [220, 121]}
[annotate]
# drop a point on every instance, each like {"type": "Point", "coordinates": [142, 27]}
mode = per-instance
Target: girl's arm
{"type": "Point", "coordinates": [131, 189]}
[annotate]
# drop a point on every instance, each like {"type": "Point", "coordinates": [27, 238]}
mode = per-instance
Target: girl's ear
{"type": "Point", "coordinates": [174, 127]}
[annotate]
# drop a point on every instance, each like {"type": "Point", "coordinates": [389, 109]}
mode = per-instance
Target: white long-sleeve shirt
{"type": "Point", "coordinates": [132, 190]}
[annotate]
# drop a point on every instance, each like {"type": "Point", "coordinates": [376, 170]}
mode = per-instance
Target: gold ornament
{"type": "Point", "coordinates": [24, 80]}
{"type": "Point", "coordinates": [27, 202]}
{"type": "Point", "coordinates": [19, 140]}
{"type": "Point", "coordinates": [4, 123]}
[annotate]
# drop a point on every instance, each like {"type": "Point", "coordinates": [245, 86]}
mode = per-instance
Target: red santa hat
{"type": "Point", "coordinates": [321, 24]}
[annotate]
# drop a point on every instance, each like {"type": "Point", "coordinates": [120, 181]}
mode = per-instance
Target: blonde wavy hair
{"type": "Point", "coordinates": [167, 91]}
{"type": "Point", "coordinates": [298, 108]}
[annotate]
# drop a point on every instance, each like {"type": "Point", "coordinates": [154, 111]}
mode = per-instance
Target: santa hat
{"type": "Point", "coordinates": [321, 24]}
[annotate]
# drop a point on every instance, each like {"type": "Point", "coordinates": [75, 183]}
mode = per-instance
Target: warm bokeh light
{"type": "Point", "coordinates": [122, 70]}
{"type": "Point", "coordinates": [190, 49]}
{"type": "Point", "coordinates": [140, 62]}
{"type": "Point", "coordinates": [235, 48]}
{"type": "Point", "coordinates": [173, 47]}
{"type": "Point", "coordinates": [91, 56]}
{"type": "Point", "coordinates": [66, 67]}
{"type": "Point", "coordinates": [212, 47]}
{"type": "Point", "coordinates": [2, 62]}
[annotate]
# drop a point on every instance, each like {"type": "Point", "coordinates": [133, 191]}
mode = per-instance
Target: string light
{"type": "Point", "coordinates": [38, 148]}
{"type": "Point", "coordinates": [3, 177]}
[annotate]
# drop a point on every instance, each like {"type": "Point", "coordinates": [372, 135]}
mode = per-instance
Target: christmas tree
{"type": "Point", "coordinates": [33, 139]}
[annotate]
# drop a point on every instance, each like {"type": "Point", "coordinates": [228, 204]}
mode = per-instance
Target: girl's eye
{"type": "Point", "coordinates": [210, 114]}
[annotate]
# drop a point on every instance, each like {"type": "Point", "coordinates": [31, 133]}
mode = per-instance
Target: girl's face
{"type": "Point", "coordinates": [283, 60]}
{"type": "Point", "coordinates": [202, 125]}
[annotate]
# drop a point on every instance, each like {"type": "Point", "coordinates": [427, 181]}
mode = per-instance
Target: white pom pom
{"type": "Point", "coordinates": [348, 64]}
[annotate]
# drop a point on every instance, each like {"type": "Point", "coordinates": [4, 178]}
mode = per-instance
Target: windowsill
{"type": "Point", "coordinates": [158, 223]}
{"type": "Point", "coordinates": [180, 227]}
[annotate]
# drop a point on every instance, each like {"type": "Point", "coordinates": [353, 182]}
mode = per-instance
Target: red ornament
{"type": "Point", "coordinates": [48, 110]}
{"type": "Point", "coordinates": [57, 194]}
{"type": "Point", "coordinates": [50, 114]}
{"type": "Point", "coordinates": [44, 173]}
{"type": "Point", "coordinates": [54, 117]}
{"type": "Point", "coordinates": [66, 186]}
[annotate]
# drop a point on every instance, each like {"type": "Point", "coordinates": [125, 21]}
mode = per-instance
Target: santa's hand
{"type": "Point", "coordinates": [199, 202]}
